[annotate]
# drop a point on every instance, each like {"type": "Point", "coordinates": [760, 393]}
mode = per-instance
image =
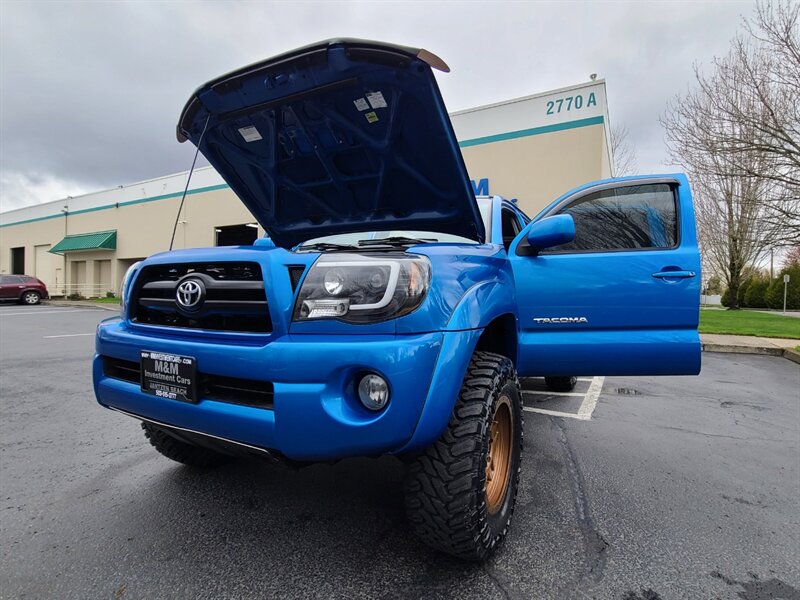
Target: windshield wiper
{"type": "Point", "coordinates": [326, 247]}
{"type": "Point", "coordinates": [399, 241]}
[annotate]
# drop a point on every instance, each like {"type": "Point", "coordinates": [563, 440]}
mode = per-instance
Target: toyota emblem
{"type": "Point", "coordinates": [189, 294]}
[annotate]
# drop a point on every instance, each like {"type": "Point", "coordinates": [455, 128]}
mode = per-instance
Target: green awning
{"type": "Point", "coordinates": [97, 240]}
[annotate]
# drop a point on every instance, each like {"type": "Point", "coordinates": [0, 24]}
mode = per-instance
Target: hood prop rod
{"type": "Point", "coordinates": [188, 179]}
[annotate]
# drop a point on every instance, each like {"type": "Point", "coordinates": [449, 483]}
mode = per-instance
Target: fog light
{"type": "Point", "coordinates": [373, 391]}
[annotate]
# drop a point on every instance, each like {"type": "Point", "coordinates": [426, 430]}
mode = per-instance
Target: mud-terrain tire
{"type": "Point", "coordinates": [182, 452]}
{"type": "Point", "coordinates": [457, 499]}
{"type": "Point", "coordinates": [561, 384]}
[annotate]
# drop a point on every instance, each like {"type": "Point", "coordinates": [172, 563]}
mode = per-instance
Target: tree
{"type": "Point", "coordinates": [714, 285]}
{"type": "Point", "coordinates": [766, 68]}
{"type": "Point", "coordinates": [623, 152]}
{"type": "Point", "coordinates": [734, 134]}
{"type": "Point", "coordinates": [792, 257]}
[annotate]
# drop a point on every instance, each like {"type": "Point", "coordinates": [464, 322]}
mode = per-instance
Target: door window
{"type": "Point", "coordinates": [636, 217]}
{"type": "Point", "coordinates": [511, 227]}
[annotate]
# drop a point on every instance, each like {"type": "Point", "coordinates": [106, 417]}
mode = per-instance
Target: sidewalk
{"type": "Point", "coordinates": [747, 344]}
{"type": "Point", "coordinates": [83, 304]}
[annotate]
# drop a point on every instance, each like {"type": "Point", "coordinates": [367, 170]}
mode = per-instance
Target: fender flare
{"type": "Point", "coordinates": [480, 305]}
{"type": "Point", "coordinates": [484, 302]}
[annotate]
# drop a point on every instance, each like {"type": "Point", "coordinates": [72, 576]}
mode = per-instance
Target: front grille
{"type": "Point", "coordinates": [248, 392]}
{"type": "Point", "coordinates": [232, 297]}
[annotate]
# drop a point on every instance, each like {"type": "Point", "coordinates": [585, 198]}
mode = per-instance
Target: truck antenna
{"type": "Point", "coordinates": [188, 179]}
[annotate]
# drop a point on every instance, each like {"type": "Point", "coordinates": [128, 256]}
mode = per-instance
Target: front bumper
{"type": "Point", "coordinates": [316, 414]}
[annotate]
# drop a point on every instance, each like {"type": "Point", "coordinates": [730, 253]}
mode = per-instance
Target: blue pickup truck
{"type": "Point", "coordinates": [389, 310]}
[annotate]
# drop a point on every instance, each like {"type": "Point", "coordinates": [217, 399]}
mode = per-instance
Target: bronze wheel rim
{"type": "Point", "coordinates": [498, 457]}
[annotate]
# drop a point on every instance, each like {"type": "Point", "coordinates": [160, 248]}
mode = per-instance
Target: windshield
{"type": "Point", "coordinates": [352, 239]}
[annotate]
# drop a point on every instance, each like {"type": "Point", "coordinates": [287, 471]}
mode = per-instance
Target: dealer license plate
{"type": "Point", "coordinates": [169, 376]}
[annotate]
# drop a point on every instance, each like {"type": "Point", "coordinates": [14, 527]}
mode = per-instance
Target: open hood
{"type": "Point", "coordinates": [337, 137]}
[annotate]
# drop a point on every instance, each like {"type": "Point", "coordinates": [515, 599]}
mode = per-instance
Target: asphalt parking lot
{"type": "Point", "coordinates": [676, 487]}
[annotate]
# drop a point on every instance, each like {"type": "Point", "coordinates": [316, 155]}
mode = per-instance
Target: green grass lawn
{"type": "Point", "coordinates": [106, 300]}
{"type": "Point", "coordinates": [748, 322]}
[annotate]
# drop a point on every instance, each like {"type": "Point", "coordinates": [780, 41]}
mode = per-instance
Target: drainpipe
{"type": "Point", "coordinates": [65, 210]}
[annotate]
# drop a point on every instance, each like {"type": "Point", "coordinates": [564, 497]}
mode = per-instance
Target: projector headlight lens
{"type": "Point", "coordinates": [334, 280]}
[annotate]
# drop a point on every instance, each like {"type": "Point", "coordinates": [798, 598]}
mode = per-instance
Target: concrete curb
{"type": "Point", "coordinates": [734, 349]}
{"type": "Point", "coordinates": [792, 355]}
{"type": "Point", "coordinates": [78, 304]}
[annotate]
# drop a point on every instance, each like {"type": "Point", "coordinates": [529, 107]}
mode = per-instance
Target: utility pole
{"type": "Point", "coordinates": [65, 210]}
{"type": "Point", "coordinates": [785, 289]}
{"type": "Point", "coordinates": [771, 258]}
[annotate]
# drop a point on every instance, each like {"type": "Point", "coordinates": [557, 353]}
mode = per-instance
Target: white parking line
{"type": "Point", "coordinates": [587, 406]}
{"type": "Point", "coordinates": [48, 337]}
{"type": "Point", "coordinates": [554, 413]}
{"type": "Point", "coordinates": [47, 312]}
{"type": "Point", "coordinates": [546, 393]}
{"type": "Point", "coordinates": [590, 402]}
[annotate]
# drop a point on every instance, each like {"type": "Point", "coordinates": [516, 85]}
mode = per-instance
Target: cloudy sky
{"type": "Point", "coordinates": [90, 91]}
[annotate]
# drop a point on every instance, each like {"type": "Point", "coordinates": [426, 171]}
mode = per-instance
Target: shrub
{"type": "Point", "coordinates": [110, 294]}
{"type": "Point", "coordinates": [75, 296]}
{"type": "Point", "coordinates": [756, 296]}
{"type": "Point", "coordinates": [774, 293]}
{"type": "Point", "coordinates": [740, 295]}
{"type": "Point", "coordinates": [714, 285]}
{"type": "Point", "coordinates": [725, 300]}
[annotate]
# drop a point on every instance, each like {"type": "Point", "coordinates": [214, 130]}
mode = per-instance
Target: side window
{"type": "Point", "coordinates": [636, 217]}
{"type": "Point", "coordinates": [511, 227]}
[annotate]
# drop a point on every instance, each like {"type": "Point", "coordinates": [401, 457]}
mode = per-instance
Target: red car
{"type": "Point", "coordinates": [22, 288]}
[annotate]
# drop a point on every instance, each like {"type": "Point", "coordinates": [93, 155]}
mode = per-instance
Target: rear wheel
{"type": "Point", "coordinates": [181, 451]}
{"type": "Point", "coordinates": [561, 384]}
{"type": "Point", "coordinates": [31, 297]}
{"type": "Point", "coordinates": [460, 492]}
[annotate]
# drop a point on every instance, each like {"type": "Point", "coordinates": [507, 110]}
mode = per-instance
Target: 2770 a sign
{"type": "Point", "coordinates": [570, 103]}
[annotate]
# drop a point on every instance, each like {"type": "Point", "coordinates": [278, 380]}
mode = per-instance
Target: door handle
{"type": "Point", "coordinates": [674, 274]}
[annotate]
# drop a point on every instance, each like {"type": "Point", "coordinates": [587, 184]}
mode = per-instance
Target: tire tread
{"type": "Point", "coordinates": [444, 495]}
{"type": "Point", "coordinates": [182, 452]}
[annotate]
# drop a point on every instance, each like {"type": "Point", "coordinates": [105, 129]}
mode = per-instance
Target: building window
{"type": "Point", "coordinates": [236, 235]}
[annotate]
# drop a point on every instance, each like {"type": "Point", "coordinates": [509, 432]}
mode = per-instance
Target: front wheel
{"type": "Point", "coordinates": [180, 451]}
{"type": "Point", "coordinates": [31, 298]}
{"type": "Point", "coordinates": [460, 492]}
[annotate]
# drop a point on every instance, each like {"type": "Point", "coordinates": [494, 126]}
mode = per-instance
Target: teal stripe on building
{"type": "Point", "coordinates": [533, 131]}
{"type": "Point", "coordinates": [464, 144]}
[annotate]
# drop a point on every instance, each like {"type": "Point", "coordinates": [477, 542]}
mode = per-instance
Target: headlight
{"type": "Point", "coordinates": [362, 289]}
{"type": "Point", "coordinates": [126, 281]}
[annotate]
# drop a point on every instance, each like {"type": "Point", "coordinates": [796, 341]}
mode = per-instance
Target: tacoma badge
{"type": "Point", "coordinates": [561, 319]}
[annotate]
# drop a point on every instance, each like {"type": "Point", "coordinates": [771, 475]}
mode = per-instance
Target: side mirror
{"type": "Point", "coordinates": [551, 231]}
